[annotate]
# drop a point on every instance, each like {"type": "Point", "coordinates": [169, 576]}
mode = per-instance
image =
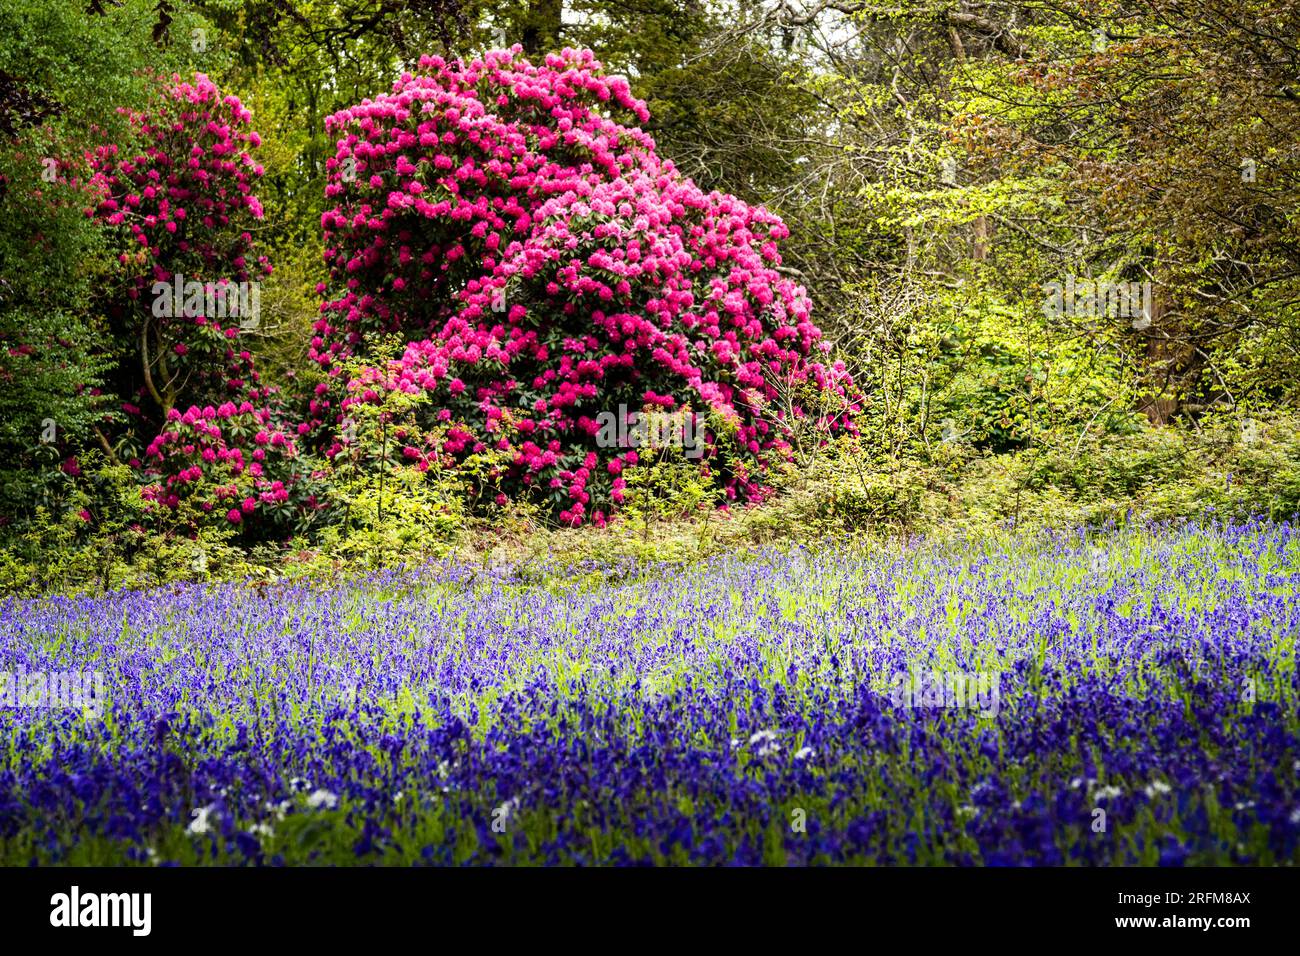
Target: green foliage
{"type": "Point", "coordinates": [389, 507]}
{"type": "Point", "coordinates": [65, 72]}
{"type": "Point", "coordinates": [667, 487]}
{"type": "Point", "coordinates": [88, 535]}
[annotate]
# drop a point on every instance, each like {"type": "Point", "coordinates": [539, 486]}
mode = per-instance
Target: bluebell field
{"type": "Point", "coordinates": [1125, 698]}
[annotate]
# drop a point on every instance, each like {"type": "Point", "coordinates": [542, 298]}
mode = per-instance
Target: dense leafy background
{"type": "Point", "coordinates": [936, 164]}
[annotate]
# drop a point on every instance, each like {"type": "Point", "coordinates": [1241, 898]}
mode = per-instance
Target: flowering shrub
{"type": "Point", "coordinates": [224, 460]}
{"type": "Point", "coordinates": [181, 206]}
{"type": "Point", "coordinates": [545, 266]}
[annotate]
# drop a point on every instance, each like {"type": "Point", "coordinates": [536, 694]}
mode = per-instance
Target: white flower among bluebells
{"type": "Point", "coordinates": [765, 743]}
{"type": "Point", "coordinates": [1157, 787]}
{"type": "Point", "coordinates": [322, 798]}
{"type": "Point", "coordinates": [805, 753]}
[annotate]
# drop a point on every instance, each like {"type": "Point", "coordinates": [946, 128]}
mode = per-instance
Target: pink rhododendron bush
{"type": "Point", "coordinates": [179, 204]}
{"type": "Point", "coordinates": [549, 272]}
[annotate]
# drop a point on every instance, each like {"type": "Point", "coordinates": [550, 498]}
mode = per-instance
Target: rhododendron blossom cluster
{"type": "Point", "coordinates": [545, 266]}
{"type": "Point", "coordinates": [185, 196]}
{"type": "Point", "coordinates": [181, 203]}
{"type": "Point", "coordinates": [222, 459]}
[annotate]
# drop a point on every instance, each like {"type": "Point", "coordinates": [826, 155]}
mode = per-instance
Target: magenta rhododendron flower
{"type": "Point", "coordinates": [516, 225]}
